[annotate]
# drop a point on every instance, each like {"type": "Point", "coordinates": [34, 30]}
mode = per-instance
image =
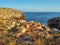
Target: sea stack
{"type": "Point", "coordinates": [10, 17]}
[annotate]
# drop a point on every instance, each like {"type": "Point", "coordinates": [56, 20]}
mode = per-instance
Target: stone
{"type": "Point", "coordinates": [14, 30]}
{"type": "Point", "coordinates": [10, 17]}
{"type": "Point", "coordinates": [54, 22]}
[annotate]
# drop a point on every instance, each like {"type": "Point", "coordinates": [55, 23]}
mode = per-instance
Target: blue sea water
{"type": "Point", "coordinates": [41, 17]}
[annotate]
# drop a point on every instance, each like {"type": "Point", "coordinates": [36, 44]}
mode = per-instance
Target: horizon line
{"type": "Point", "coordinates": [40, 11]}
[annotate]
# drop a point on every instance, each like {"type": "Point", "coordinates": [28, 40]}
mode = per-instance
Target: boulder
{"type": "Point", "coordinates": [10, 17]}
{"type": "Point", "coordinates": [54, 22]}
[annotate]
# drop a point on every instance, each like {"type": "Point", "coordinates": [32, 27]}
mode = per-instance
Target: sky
{"type": "Point", "coordinates": [32, 5]}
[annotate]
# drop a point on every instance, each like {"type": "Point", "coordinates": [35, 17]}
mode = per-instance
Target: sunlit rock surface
{"type": "Point", "coordinates": [10, 17]}
{"type": "Point", "coordinates": [14, 30]}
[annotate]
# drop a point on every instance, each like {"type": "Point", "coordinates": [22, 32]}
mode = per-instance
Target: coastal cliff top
{"type": "Point", "coordinates": [7, 13]}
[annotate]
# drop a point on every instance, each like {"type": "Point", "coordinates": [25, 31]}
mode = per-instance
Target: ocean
{"type": "Point", "coordinates": [41, 17]}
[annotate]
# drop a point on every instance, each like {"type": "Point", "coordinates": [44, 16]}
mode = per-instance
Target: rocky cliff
{"type": "Point", "coordinates": [14, 30]}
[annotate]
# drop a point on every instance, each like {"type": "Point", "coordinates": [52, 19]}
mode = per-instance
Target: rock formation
{"type": "Point", "coordinates": [9, 17]}
{"type": "Point", "coordinates": [54, 22]}
{"type": "Point", "coordinates": [14, 30]}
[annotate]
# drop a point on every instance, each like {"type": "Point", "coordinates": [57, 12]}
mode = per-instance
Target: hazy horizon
{"type": "Point", "coordinates": [32, 5]}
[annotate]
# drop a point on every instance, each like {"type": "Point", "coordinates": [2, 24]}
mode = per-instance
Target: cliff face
{"type": "Point", "coordinates": [9, 17]}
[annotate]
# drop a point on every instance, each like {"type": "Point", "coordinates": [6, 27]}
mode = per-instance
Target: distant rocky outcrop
{"type": "Point", "coordinates": [54, 22]}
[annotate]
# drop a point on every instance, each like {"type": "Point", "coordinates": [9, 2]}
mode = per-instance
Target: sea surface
{"type": "Point", "coordinates": [41, 17]}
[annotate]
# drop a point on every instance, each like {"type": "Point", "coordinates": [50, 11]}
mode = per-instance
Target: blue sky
{"type": "Point", "coordinates": [32, 5]}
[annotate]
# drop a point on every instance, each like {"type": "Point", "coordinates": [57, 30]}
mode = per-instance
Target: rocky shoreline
{"type": "Point", "coordinates": [14, 30]}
